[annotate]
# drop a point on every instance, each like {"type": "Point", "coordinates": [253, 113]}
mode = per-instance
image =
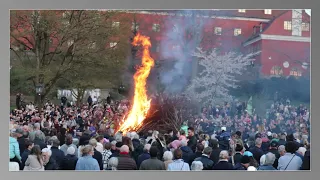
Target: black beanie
{"type": "Point", "coordinates": [245, 159]}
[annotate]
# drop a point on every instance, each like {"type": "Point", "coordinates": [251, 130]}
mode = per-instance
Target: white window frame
{"type": "Point", "coordinates": [115, 24]}
{"type": "Point", "coordinates": [276, 71]}
{"type": "Point", "coordinates": [305, 26]}
{"type": "Point", "coordinates": [135, 26]}
{"type": "Point", "coordinates": [268, 11]}
{"type": "Point", "coordinates": [237, 32]}
{"type": "Point", "coordinates": [241, 10]}
{"type": "Point", "coordinates": [296, 72]}
{"type": "Point", "coordinates": [287, 25]}
{"type": "Point", "coordinates": [113, 44]}
{"type": "Point", "coordinates": [218, 31]}
{"type": "Point", "coordinates": [156, 27]}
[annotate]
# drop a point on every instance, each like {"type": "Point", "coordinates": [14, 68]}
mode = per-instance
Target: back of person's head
{"type": "Point", "coordinates": [167, 155]}
{"type": "Point", "coordinates": [93, 142]}
{"type": "Point", "coordinates": [99, 138]}
{"type": "Point", "coordinates": [302, 150]}
{"type": "Point", "coordinates": [124, 149]}
{"type": "Point", "coordinates": [200, 147]}
{"type": "Point", "coordinates": [71, 150]}
{"type": "Point", "coordinates": [147, 147]}
{"type": "Point", "coordinates": [282, 148]}
{"type": "Point", "coordinates": [113, 162]}
{"type": "Point", "coordinates": [107, 146]}
{"type": "Point", "coordinates": [182, 133]}
{"type": "Point", "coordinates": [238, 148]}
{"type": "Point", "coordinates": [38, 136]}
{"type": "Point", "coordinates": [55, 143]}
{"type": "Point", "coordinates": [177, 154]}
{"type": "Point", "coordinates": [86, 150]}
{"type": "Point", "coordinates": [28, 143]}
{"type": "Point", "coordinates": [196, 166]}
{"type": "Point", "coordinates": [269, 158]}
{"type": "Point", "coordinates": [184, 143]}
{"type": "Point", "coordinates": [36, 150]}
{"type": "Point", "coordinates": [154, 151]}
{"type": "Point", "coordinates": [245, 160]}
{"type": "Point", "coordinates": [207, 151]}
{"type": "Point", "coordinates": [258, 142]}
{"type": "Point", "coordinates": [224, 155]}
{"type": "Point", "coordinates": [47, 150]}
{"type": "Point", "coordinates": [214, 143]}
{"type": "Point", "coordinates": [36, 125]}
{"type": "Point", "coordinates": [291, 147]}
{"type": "Point", "coordinates": [69, 139]}
{"type": "Point", "coordinates": [262, 159]}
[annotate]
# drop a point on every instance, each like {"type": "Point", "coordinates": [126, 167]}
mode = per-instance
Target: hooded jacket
{"type": "Point", "coordinates": [14, 150]}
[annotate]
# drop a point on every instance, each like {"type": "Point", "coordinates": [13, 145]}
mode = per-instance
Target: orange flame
{"type": "Point", "coordinates": [141, 103]}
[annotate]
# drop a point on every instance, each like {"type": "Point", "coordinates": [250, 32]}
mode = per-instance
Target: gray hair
{"type": "Point", "coordinates": [113, 162]}
{"type": "Point", "coordinates": [167, 156]}
{"type": "Point", "coordinates": [207, 150]}
{"type": "Point", "coordinates": [147, 147]}
{"type": "Point", "coordinates": [302, 150]}
{"type": "Point", "coordinates": [196, 166]}
{"type": "Point", "coordinates": [93, 142]}
{"type": "Point", "coordinates": [55, 142]}
{"type": "Point", "coordinates": [224, 155]}
{"type": "Point", "coordinates": [118, 137]}
{"type": "Point", "coordinates": [71, 150]}
{"type": "Point", "coordinates": [282, 148]}
{"type": "Point", "coordinates": [36, 125]}
{"type": "Point", "coordinates": [47, 150]}
{"type": "Point", "coordinates": [296, 135]}
{"type": "Point", "coordinates": [270, 158]}
{"type": "Point", "coordinates": [263, 160]}
{"type": "Point", "coordinates": [184, 143]}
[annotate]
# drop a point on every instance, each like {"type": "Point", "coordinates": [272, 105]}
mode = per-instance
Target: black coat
{"type": "Point", "coordinates": [22, 144]}
{"type": "Point", "coordinates": [306, 161]}
{"type": "Point", "coordinates": [57, 155]}
{"type": "Point", "coordinates": [39, 143]}
{"type": "Point", "coordinates": [186, 154]}
{"type": "Point", "coordinates": [98, 156]}
{"type": "Point", "coordinates": [239, 166]}
{"type": "Point", "coordinates": [24, 158]}
{"type": "Point", "coordinates": [51, 165]}
{"type": "Point", "coordinates": [223, 165]}
{"type": "Point", "coordinates": [194, 156]}
{"type": "Point", "coordinates": [257, 153]}
{"type": "Point", "coordinates": [69, 162]}
{"type": "Point", "coordinates": [215, 155]}
{"type": "Point", "coordinates": [207, 163]}
{"type": "Point", "coordinates": [236, 158]}
{"type": "Point", "coordinates": [192, 143]}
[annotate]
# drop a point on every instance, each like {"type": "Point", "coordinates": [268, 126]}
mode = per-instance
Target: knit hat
{"type": "Point", "coordinates": [248, 153]}
{"type": "Point", "coordinates": [245, 159]}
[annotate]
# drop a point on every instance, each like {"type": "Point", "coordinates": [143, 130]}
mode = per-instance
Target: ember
{"type": "Point", "coordinates": [141, 104]}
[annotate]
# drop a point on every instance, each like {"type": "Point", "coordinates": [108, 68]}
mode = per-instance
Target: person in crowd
{"type": "Point", "coordinates": [243, 164]}
{"type": "Point", "coordinates": [167, 158]}
{"type": "Point", "coordinates": [21, 139]}
{"type": "Point", "coordinates": [38, 140]}
{"type": "Point", "coordinates": [178, 164]}
{"type": "Point", "coordinates": [205, 159]}
{"type": "Point", "coordinates": [306, 161]}
{"type": "Point", "coordinates": [268, 162]}
{"type": "Point", "coordinates": [282, 139]}
{"type": "Point", "coordinates": [186, 151]}
{"type": "Point", "coordinates": [125, 161]}
{"type": "Point", "coordinates": [87, 162]}
{"type": "Point", "coordinates": [289, 161]}
{"type": "Point", "coordinates": [302, 151]}
{"type": "Point", "coordinates": [69, 143]}
{"type": "Point", "coordinates": [100, 140]}
{"type": "Point", "coordinates": [106, 154]}
{"type": "Point", "coordinates": [14, 150]}
{"type": "Point", "coordinates": [196, 166]}
{"type": "Point", "coordinates": [34, 161]}
{"type": "Point", "coordinates": [214, 143]}
{"type": "Point", "coordinates": [223, 163]}
{"type": "Point", "coordinates": [97, 155]}
{"type": "Point", "coordinates": [282, 151]}
{"type": "Point", "coordinates": [57, 154]}
{"type": "Point", "coordinates": [262, 160]}
{"type": "Point", "coordinates": [256, 150]}
{"type": "Point", "coordinates": [192, 140]}
{"type": "Point", "coordinates": [70, 160]}
{"type": "Point", "coordinates": [113, 164]}
{"type": "Point", "coordinates": [29, 145]}
{"type": "Point", "coordinates": [36, 130]}
{"type": "Point", "coordinates": [274, 149]}
{"type": "Point", "coordinates": [153, 163]}
{"type": "Point", "coordinates": [236, 158]}
{"type": "Point", "coordinates": [145, 155]}
{"type": "Point", "coordinates": [48, 161]}
{"type": "Point", "coordinates": [253, 161]}
{"type": "Point", "coordinates": [198, 153]}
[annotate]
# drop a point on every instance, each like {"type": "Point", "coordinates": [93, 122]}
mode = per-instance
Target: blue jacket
{"type": "Point", "coordinates": [141, 158]}
{"type": "Point", "coordinates": [14, 150]}
{"type": "Point", "coordinates": [87, 163]}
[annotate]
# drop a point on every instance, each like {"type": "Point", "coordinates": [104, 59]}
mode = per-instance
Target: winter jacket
{"type": "Point", "coordinates": [141, 158]}
{"type": "Point", "coordinates": [207, 163]}
{"type": "Point", "coordinates": [125, 162]}
{"type": "Point", "coordinates": [32, 164]}
{"type": "Point", "coordinates": [69, 162]}
{"type": "Point", "coordinates": [186, 154]}
{"type": "Point", "coordinates": [14, 150]}
{"type": "Point", "coordinates": [57, 155]}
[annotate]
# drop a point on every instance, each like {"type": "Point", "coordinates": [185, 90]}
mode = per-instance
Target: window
{"type": "Point", "coordinates": [237, 31]}
{"type": "Point", "coordinates": [295, 72]}
{"type": "Point", "coordinates": [276, 70]}
{"type": "Point", "coordinates": [305, 26]}
{"type": "Point", "coordinates": [156, 27]}
{"type": "Point", "coordinates": [113, 44]}
{"type": "Point", "coordinates": [115, 24]}
{"type": "Point", "coordinates": [267, 11]}
{"type": "Point", "coordinates": [287, 25]}
{"type": "Point", "coordinates": [135, 26]}
{"type": "Point", "coordinates": [218, 30]}
{"type": "Point", "coordinates": [242, 10]}
{"type": "Point", "coordinates": [70, 42]}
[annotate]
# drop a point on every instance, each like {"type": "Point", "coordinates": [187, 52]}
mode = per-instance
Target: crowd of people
{"type": "Point", "coordinates": [67, 137]}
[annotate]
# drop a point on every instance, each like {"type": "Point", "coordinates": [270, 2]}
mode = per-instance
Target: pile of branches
{"type": "Point", "coordinates": [168, 113]}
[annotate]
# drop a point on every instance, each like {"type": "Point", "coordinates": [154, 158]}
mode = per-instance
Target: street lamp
{"type": "Point", "coordinates": [39, 91]}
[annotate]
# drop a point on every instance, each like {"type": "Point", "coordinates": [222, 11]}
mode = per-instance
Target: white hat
{"type": "Point", "coordinates": [223, 129]}
{"type": "Point", "coordinates": [269, 133]}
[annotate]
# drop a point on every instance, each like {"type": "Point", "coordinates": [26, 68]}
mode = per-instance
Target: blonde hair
{"type": "Point", "coordinates": [86, 150]}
